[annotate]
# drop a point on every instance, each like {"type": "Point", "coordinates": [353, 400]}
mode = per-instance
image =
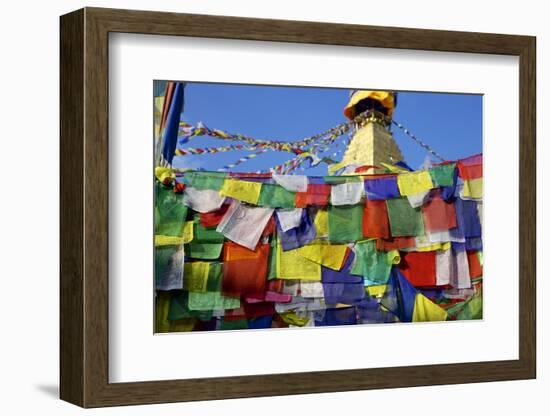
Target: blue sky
{"type": "Point", "coordinates": [450, 123]}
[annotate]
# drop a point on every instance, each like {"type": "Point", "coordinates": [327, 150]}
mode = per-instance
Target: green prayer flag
{"type": "Point", "coordinates": [204, 234]}
{"type": "Point", "coordinates": [442, 175]}
{"type": "Point", "coordinates": [272, 273]}
{"type": "Point", "coordinates": [170, 212]}
{"type": "Point", "coordinates": [336, 180]}
{"type": "Point", "coordinates": [205, 180]}
{"type": "Point", "coordinates": [205, 251]}
{"type": "Point", "coordinates": [211, 301]}
{"type": "Point", "coordinates": [371, 263]}
{"type": "Point", "coordinates": [233, 324]}
{"type": "Point", "coordinates": [405, 221]}
{"type": "Point", "coordinates": [345, 223]}
{"type": "Point", "coordinates": [214, 283]}
{"type": "Point", "coordinates": [276, 196]}
{"type": "Point", "coordinates": [179, 309]}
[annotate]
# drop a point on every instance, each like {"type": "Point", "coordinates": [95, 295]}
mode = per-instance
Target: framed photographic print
{"type": "Point", "coordinates": [255, 207]}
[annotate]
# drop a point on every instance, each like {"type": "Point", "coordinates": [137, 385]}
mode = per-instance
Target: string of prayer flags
{"type": "Point", "coordinates": [240, 251]}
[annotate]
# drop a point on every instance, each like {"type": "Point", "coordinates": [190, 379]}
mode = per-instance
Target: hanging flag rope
{"type": "Point", "coordinates": [242, 160]}
{"type": "Point", "coordinates": [417, 140]}
{"type": "Point", "coordinates": [308, 144]}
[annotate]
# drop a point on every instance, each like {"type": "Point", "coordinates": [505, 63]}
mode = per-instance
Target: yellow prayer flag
{"type": "Point", "coordinates": [427, 311]}
{"type": "Point", "coordinates": [162, 173]}
{"type": "Point", "coordinates": [291, 265]}
{"type": "Point", "coordinates": [435, 246]}
{"type": "Point", "coordinates": [241, 190]}
{"type": "Point", "coordinates": [169, 240]}
{"type": "Point", "coordinates": [414, 182]}
{"type": "Point", "coordinates": [473, 188]}
{"type": "Point", "coordinates": [394, 168]}
{"type": "Point", "coordinates": [321, 223]}
{"type": "Point", "coordinates": [292, 319]}
{"type": "Point", "coordinates": [195, 276]}
{"type": "Point", "coordinates": [376, 290]}
{"type": "Point", "coordinates": [393, 257]}
{"type": "Point", "coordinates": [324, 253]}
{"type": "Point", "coordinates": [187, 232]}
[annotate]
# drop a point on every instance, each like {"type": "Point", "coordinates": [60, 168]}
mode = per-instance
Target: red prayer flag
{"type": "Point", "coordinates": [476, 270]}
{"type": "Point", "coordinates": [316, 194]}
{"type": "Point", "coordinates": [244, 270]}
{"type": "Point", "coordinates": [375, 220]}
{"type": "Point", "coordinates": [419, 267]}
{"type": "Point", "coordinates": [213, 218]}
{"type": "Point", "coordinates": [439, 215]}
{"type": "Point", "coordinates": [250, 310]}
{"type": "Point", "coordinates": [471, 167]}
{"type": "Point", "coordinates": [395, 243]}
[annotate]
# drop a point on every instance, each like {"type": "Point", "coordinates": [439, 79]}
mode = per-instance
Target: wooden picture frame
{"type": "Point", "coordinates": [84, 207]}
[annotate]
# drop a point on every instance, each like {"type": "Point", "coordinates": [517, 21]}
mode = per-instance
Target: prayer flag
{"type": "Point", "coordinates": [427, 311]}
{"type": "Point", "coordinates": [404, 220]}
{"type": "Point", "coordinates": [244, 270]}
{"type": "Point", "coordinates": [373, 264]}
{"type": "Point", "coordinates": [345, 223]}
{"type": "Point", "coordinates": [349, 193]}
{"type": "Point", "coordinates": [202, 200]}
{"type": "Point", "coordinates": [381, 188]}
{"type": "Point", "coordinates": [375, 220]}
{"type": "Point", "coordinates": [438, 214]}
{"type": "Point", "coordinates": [419, 267]}
{"type": "Point", "coordinates": [400, 296]}
{"type": "Point", "coordinates": [244, 224]}
{"type": "Point", "coordinates": [316, 194]}
{"type": "Point", "coordinates": [169, 267]}
{"type": "Point", "coordinates": [443, 175]}
{"type": "Point", "coordinates": [414, 182]}
{"type": "Point", "coordinates": [276, 196]}
{"type": "Point", "coordinates": [170, 213]}
{"type": "Point", "coordinates": [245, 191]}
